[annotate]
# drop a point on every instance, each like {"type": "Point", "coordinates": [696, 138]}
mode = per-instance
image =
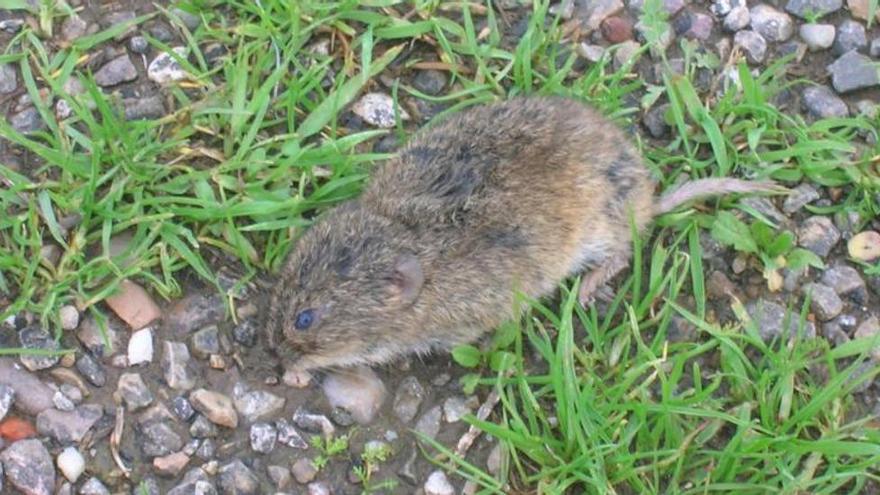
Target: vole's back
{"type": "Point", "coordinates": [521, 193]}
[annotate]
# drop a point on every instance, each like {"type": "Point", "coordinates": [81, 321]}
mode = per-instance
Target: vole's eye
{"type": "Point", "coordinates": [304, 319]}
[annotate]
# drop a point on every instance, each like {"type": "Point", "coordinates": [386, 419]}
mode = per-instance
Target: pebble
{"type": "Point", "coordinates": [318, 488]}
{"type": "Point", "coordinates": [737, 19]}
{"type": "Point", "coordinates": [134, 391]}
{"type": "Point", "coordinates": [304, 470]}
{"type": "Point", "coordinates": [438, 484]}
{"type": "Point", "coordinates": [819, 235]}
{"type": "Point", "coordinates": [34, 337]}
{"type": "Point", "coordinates": [846, 281]}
{"type": "Point", "coordinates": [170, 465]}
{"type": "Point", "coordinates": [68, 316]}
{"type": "Point", "coordinates": [191, 21]}
{"type": "Point", "coordinates": [430, 82]}
{"type": "Point", "coordinates": [315, 423]}
{"type": "Point", "coordinates": [93, 486]}
{"type": "Point", "coordinates": [193, 312]}
{"type": "Point", "coordinates": [206, 342]}
{"type": "Point", "coordinates": [591, 14]}
{"type": "Point", "coordinates": [8, 78]}
{"type": "Point", "coordinates": [31, 395]}
{"type": "Point", "coordinates": [655, 121]}
{"type": "Point", "coordinates": [263, 437]}
{"type": "Point", "coordinates": [341, 417]}
{"type": "Point", "coordinates": [62, 402]}
{"type": "Point", "coordinates": [288, 435]}
{"type": "Point", "coordinates": [202, 427]}
{"type": "Point", "coordinates": [93, 336]}
{"type": "Point", "coordinates": [808, 8]}
{"type": "Point", "coordinates": [11, 26]}
{"type": "Point", "coordinates": [765, 207]}
{"type": "Point", "coordinates": [90, 368]}
{"type": "Point", "coordinates": [625, 52]}
{"type": "Point", "coordinates": [850, 36]}
{"type": "Point", "coordinates": [216, 406]}
{"type": "Point", "coordinates": [769, 317]}
{"type": "Point", "coordinates": [140, 347]}
{"type": "Point", "coordinates": [864, 246]}
{"type": "Point", "coordinates": [868, 329]}
{"type": "Point", "coordinates": [27, 121]}
{"type": "Point", "coordinates": [455, 408]}
{"type": "Point", "coordinates": [408, 398]}
{"type": "Point", "coordinates": [159, 439]}
{"type": "Point", "coordinates": [616, 29]}
{"type": "Point", "coordinates": [592, 53]}
{"type": "Point", "coordinates": [120, 17]}
{"type": "Point", "coordinates": [823, 103]}
{"type": "Point", "coordinates": [496, 459]}
{"type": "Point", "coordinates": [176, 366]}
{"type": "Point", "coordinates": [860, 9]}
{"type": "Point", "coordinates": [279, 475]}
{"type": "Point", "coordinates": [773, 25]}
{"type": "Point", "coordinates": [73, 28]}
{"type": "Point", "coordinates": [29, 467]}
{"type": "Point", "coordinates": [116, 71]}
{"type": "Point", "coordinates": [165, 69]}
{"type": "Point", "coordinates": [236, 478]}
{"type": "Point", "coordinates": [800, 196]}
{"type": "Point", "coordinates": [853, 71]}
{"type": "Point", "coordinates": [429, 423]}
{"type": "Point", "coordinates": [148, 107]}
{"type": "Point", "coordinates": [721, 8]}
{"type": "Point", "coordinates": [7, 395]}
{"type": "Point", "coordinates": [71, 463]}
{"type": "Point", "coordinates": [377, 109]}
{"type": "Point", "coordinates": [182, 408]}
{"type": "Point", "coordinates": [256, 405]}
{"type": "Point", "coordinates": [825, 302]}
{"type": "Point", "coordinates": [133, 304]}
{"type": "Point", "coordinates": [818, 36]}
{"type": "Point", "coordinates": [694, 26]}
{"type": "Point", "coordinates": [245, 333]}
{"type": "Point", "coordinates": [753, 44]}
{"type": "Point", "coordinates": [138, 44]}
{"type": "Point", "coordinates": [359, 391]}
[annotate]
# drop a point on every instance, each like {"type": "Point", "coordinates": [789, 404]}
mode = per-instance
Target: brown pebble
{"type": "Point", "coordinates": [617, 29]}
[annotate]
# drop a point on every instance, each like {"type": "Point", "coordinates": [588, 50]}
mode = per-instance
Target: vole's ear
{"type": "Point", "coordinates": [406, 278]}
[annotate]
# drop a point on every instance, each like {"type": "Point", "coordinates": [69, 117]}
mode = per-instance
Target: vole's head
{"type": "Point", "coordinates": [346, 292]}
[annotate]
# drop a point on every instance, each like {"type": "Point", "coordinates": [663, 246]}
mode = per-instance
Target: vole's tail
{"type": "Point", "coordinates": [713, 187]}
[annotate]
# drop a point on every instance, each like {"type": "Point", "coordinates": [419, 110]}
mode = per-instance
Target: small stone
{"type": "Point", "coordinates": [69, 317]}
{"type": "Point", "coordinates": [121, 17]}
{"type": "Point", "coordinates": [160, 439]}
{"type": "Point", "coordinates": [429, 423]}
{"type": "Point", "coordinates": [773, 25]}
{"type": "Point", "coordinates": [94, 486]}
{"type": "Point", "coordinates": [71, 463]}
{"type": "Point", "coordinates": [263, 437]}
{"type": "Point", "coordinates": [769, 318]}
{"type": "Point", "coordinates": [825, 302]}
{"type": "Point", "coordinates": [617, 29]}
{"type": "Point", "coordinates": [92, 336]}
{"type": "Point", "coordinates": [438, 484]}
{"type": "Point", "coordinates": [140, 347]}
{"type": "Point", "coordinates": [202, 427]}
{"type": "Point", "coordinates": [378, 109]}
{"type": "Point", "coordinates": [27, 121]}
{"type": "Point", "coordinates": [296, 378]}
{"type": "Point", "coordinates": [818, 36]}
{"type": "Point", "coordinates": [860, 9]}
{"type": "Point", "coordinates": [430, 82]}
{"type": "Point", "coordinates": [846, 281]}
{"type": "Point", "coordinates": [765, 207]}
{"type": "Point", "coordinates": [288, 435]}
{"type": "Point", "coordinates": [256, 405]}
{"type": "Point", "coordinates": [73, 28]}
{"type": "Point", "coordinates": [341, 417]}
{"type": "Point", "coordinates": [245, 333]}
{"type": "Point", "coordinates": [11, 26]}
{"type": "Point", "coordinates": [236, 478]}
{"type": "Point", "coordinates": [8, 78]}
{"type": "Point", "coordinates": [455, 408]}
{"type": "Point", "coordinates": [193, 312]}
{"type": "Point", "coordinates": [191, 21]}
{"type": "Point", "coordinates": [869, 330]}
{"type": "Point", "coordinates": [823, 103]}
{"type": "Point", "coordinates": [409, 396]}
{"type": "Point", "coordinates": [279, 475]}
{"type": "Point", "coordinates": [29, 467]}
{"type": "Point", "coordinates": [496, 459]}
{"type": "Point", "coordinates": [591, 14]}
{"type": "Point", "coordinates": [737, 19]}
{"type": "Point", "coordinates": [721, 8]}
{"type": "Point", "coordinates": [206, 450]}
{"type": "Point", "coordinates": [874, 51]}
{"type": "Point", "coordinates": [149, 107]}
{"type": "Point", "coordinates": [850, 36]}
{"type": "Point", "coordinates": [170, 465]}
{"type": "Point", "coordinates": [216, 406]}
{"type": "Point", "coordinates": [176, 366]}
{"type": "Point", "coordinates": [182, 408]}
{"type": "Point", "coordinates": [31, 395]}
{"type": "Point", "coordinates": [165, 69]}
{"type": "Point", "coordinates": [318, 488]}
{"type": "Point", "coordinates": [753, 44]}
{"type": "Point", "coordinates": [625, 52]}
{"type": "Point", "coordinates": [853, 71]}
{"type": "Point", "coordinates": [133, 305]}
{"type": "Point", "coordinates": [138, 44]}
{"type": "Point", "coordinates": [592, 53]}
{"type": "Point", "coordinates": [304, 470]}
{"type": "Point", "coordinates": [91, 369]}
{"type": "Point", "coordinates": [134, 391]}
{"type": "Point", "coordinates": [864, 246]}
{"type": "Point", "coordinates": [34, 337]}
{"type": "Point", "coordinates": [116, 71]}
{"type": "Point", "coordinates": [62, 402]}
{"type": "Point", "coordinates": [7, 395]}
{"type": "Point", "coordinates": [315, 423]}
{"type": "Point", "coordinates": [809, 8]}
{"type": "Point", "coordinates": [359, 391]}
{"type": "Point", "coordinates": [800, 196]}
{"type": "Point", "coordinates": [819, 235]}
{"type": "Point", "coordinates": [206, 342]}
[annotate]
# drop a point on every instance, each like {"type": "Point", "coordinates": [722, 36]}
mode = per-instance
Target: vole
{"type": "Point", "coordinates": [505, 197]}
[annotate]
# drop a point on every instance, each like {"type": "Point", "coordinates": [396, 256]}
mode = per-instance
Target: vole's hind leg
{"type": "Point", "coordinates": [593, 282]}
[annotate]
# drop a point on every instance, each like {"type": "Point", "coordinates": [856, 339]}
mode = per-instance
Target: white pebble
{"type": "Point", "coordinates": [359, 391]}
{"type": "Point", "coordinates": [69, 317]}
{"type": "Point", "coordinates": [378, 109]}
{"type": "Point", "coordinates": [140, 347]}
{"type": "Point", "coordinates": [437, 484]}
{"type": "Point", "coordinates": [71, 463]}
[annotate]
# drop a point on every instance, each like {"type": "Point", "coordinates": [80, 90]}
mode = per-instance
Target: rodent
{"type": "Point", "coordinates": [510, 196]}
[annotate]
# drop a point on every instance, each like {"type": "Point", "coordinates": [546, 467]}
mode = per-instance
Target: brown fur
{"type": "Point", "coordinates": [511, 196]}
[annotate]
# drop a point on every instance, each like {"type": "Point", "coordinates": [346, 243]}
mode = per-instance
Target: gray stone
{"type": "Point", "coordinates": [429, 423]}
{"type": "Point", "coordinates": [773, 25]}
{"type": "Point", "coordinates": [235, 478]}
{"type": "Point", "coordinates": [823, 103]}
{"type": "Point", "coordinates": [176, 366]}
{"type": "Point", "coordinates": [35, 338]}
{"type": "Point", "coordinates": [134, 391]}
{"type": "Point", "coordinates": [737, 19]}
{"type": "Point", "coordinates": [8, 78]}
{"type": "Point", "coordinates": [148, 107]}
{"type": "Point", "coordinates": [29, 467]}
{"type": "Point", "coordinates": [11, 26]}
{"type": "Point", "coordinates": [753, 45]}
{"type": "Point", "coordinates": [93, 336]}
{"type": "Point", "coordinates": [800, 196]}
{"type": "Point", "coordinates": [765, 207]}
{"type": "Point", "coordinates": [7, 395]}
{"type": "Point", "coordinates": [770, 317]}
{"type": "Point", "coordinates": [216, 406]}
{"type": "Point", "coordinates": [592, 53]}
{"type": "Point", "coordinates": [182, 408]}
{"type": "Point", "coordinates": [31, 395]}
{"type": "Point", "coordinates": [693, 25]}
{"type": "Point", "coordinates": [288, 435]}
{"type": "Point", "coordinates": [846, 281]}
{"type": "Point", "coordinates": [202, 427]}
{"type": "Point", "coordinates": [438, 484]}
{"type": "Point", "coordinates": [819, 235]}
{"type": "Point", "coordinates": [206, 342]}
{"type": "Point", "coordinates": [818, 36]}
{"type": "Point", "coordinates": [68, 426]}
{"type": "Point", "coordinates": [91, 369]}
{"type": "Point", "coordinates": [62, 402]}
{"type": "Point", "coordinates": [808, 8]}
{"type": "Point", "coordinates": [159, 439]}
{"type": "Point", "coordinates": [456, 407]}
{"type": "Point", "coordinates": [94, 486]}
{"type": "Point", "coordinates": [263, 437]}
{"type": "Point", "coordinates": [853, 71]}
{"type": "Point", "coordinates": [850, 36]}
{"type": "Point", "coordinates": [304, 470]}
{"type": "Point", "coordinates": [206, 449]}
{"type": "Point", "coordinates": [68, 316]}
{"type": "Point", "coordinates": [874, 51]}
{"type": "Point", "coordinates": [591, 14]}
{"type": "Point", "coordinates": [73, 28]}
{"type": "Point", "coordinates": [825, 302]}
{"type": "Point", "coordinates": [279, 475]}
{"type": "Point", "coordinates": [655, 121]}
{"type": "Point", "coordinates": [256, 405]}
{"type": "Point", "coordinates": [409, 396]}
{"type": "Point", "coordinates": [245, 333]}
{"type": "Point", "coordinates": [430, 82]}
{"type": "Point", "coordinates": [138, 44]}
{"type": "Point", "coordinates": [116, 71]}
{"type": "Point", "coordinates": [318, 488]}
{"type": "Point", "coordinates": [869, 330]}
{"type": "Point", "coordinates": [191, 21]}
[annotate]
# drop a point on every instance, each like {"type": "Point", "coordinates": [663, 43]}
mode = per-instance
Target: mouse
{"type": "Point", "coordinates": [505, 198]}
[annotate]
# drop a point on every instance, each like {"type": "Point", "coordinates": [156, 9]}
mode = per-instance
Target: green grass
{"type": "Point", "coordinates": [254, 149]}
